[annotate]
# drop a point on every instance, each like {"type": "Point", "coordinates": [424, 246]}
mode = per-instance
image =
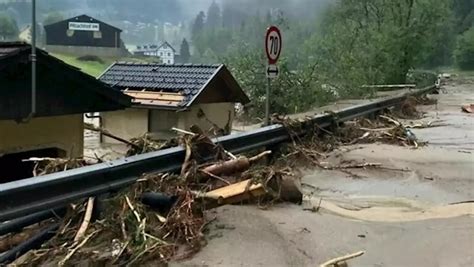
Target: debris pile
{"type": "Point", "coordinates": [45, 166]}
{"type": "Point", "coordinates": [162, 216]}
{"type": "Point", "coordinates": [145, 144]}
{"type": "Point", "coordinates": [384, 130]}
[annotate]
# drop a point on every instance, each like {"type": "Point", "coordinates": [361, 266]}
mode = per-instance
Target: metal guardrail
{"type": "Point", "coordinates": [35, 194]}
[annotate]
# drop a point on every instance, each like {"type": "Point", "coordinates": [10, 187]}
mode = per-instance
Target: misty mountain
{"type": "Point", "coordinates": [150, 11]}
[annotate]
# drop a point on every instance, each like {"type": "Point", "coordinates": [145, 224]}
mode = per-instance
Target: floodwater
{"type": "Point", "coordinates": [416, 211]}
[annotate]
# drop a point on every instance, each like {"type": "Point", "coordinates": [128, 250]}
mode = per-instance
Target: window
{"type": "Point", "coordinates": [97, 34]}
{"type": "Point", "coordinates": [161, 54]}
{"type": "Point", "coordinates": [169, 54]}
{"type": "Point", "coordinates": [169, 61]}
{"type": "Point", "coordinates": [70, 33]}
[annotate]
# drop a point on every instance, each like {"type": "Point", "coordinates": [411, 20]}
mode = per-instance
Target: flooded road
{"type": "Point", "coordinates": [417, 210]}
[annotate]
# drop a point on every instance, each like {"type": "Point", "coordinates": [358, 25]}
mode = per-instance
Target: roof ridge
{"type": "Point", "coordinates": [133, 63]}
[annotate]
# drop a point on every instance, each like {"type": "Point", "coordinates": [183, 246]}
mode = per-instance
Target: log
{"type": "Point", "coordinates": [229, 167]}
{"type": "Point", "coordinates": [235, 193]}
{"type": "Point", "coordinates": [12, 241]}
{"type": "Point", "coordinates": [232, 166]}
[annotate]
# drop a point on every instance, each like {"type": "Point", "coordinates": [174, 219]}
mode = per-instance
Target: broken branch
{"type": "Point", "coordinates": [87, 218]}
{"type": "Point", "coordinates": [342, 258]}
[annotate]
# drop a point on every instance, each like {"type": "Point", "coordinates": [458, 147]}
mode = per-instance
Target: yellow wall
{"type": "Point", "coordinates": [132, 123]}
{"type": "Point", "coordinates": [63, 132]}
{"type": "Point", "coordinates": [126, 124]}
{"type": "Point", "coordinates": [217, 113]}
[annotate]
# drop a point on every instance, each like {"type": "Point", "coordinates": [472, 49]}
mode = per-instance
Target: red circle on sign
{"type": "Point", "coordinates": [273, 44]}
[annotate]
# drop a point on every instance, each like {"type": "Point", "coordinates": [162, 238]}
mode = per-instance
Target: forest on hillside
{"type": "Point", "coordinates": [330, 49]}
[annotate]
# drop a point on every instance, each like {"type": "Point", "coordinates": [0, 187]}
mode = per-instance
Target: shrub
{"type": "Point", "coordinates": [464, 52]}
{"type": "Point", "coordinates": [90, 58]}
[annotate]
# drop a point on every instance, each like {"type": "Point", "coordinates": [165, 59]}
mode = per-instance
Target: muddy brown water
{"type": "Point", "coordinates": [401, 217]}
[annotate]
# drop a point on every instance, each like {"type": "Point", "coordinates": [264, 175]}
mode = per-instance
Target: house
{"type": "Point", "coordinates": [141, 50]}
{"type": "Point", "coordinates": [63, 95]}
{"type": "Point", "coordinates": [166, 96]}
{"type": "Point", "coordinates": [165, 52]}
{"type": "Point", "coordinates": [84, 35]}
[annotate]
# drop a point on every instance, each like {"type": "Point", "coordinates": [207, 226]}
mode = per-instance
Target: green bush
{"type": "Point", "coordinates": [464, 52]}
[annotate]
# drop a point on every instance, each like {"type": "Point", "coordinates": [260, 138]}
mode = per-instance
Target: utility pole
{"type": "Point", "coordinates": [33, 61]}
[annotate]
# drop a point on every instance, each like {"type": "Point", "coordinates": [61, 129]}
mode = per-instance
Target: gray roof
{"type": "Point", "coordinates": [165, 44]}
{"type": "Point", "coordinates": [187, 79]}
{"type": "Point", "coordinates": [8, 49]}
{"type": "Point", "coordinates": [84, 93]}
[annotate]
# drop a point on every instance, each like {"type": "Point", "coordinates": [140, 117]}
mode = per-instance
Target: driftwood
{"type": "Point", "coordinates": [232, 166]}
{"type": "Point", "coordinates": [352, 166]}
{"type": "Point", "coordinates": [12, 240]}
{"type": "Point", "coordinates": [91, 127]}
{"type": "Point", "coordinates": [336, 261]}
{"type": "Point", "coordinates": [235, 193]}
{"type": "Point", "coordinates": [77, 247]}
{"type": "Point", "coordinates": [87, 218]}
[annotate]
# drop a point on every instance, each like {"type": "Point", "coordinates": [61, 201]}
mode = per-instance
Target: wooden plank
{"type": "Point", "coordinates": [155, 96]}
{"type": "Point", "coordinates": [156, 102]}
{"type": "Point", "coordinates": [235, 193]}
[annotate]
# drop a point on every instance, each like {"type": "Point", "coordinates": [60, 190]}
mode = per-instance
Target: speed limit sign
{"type": "Point", "coordinates": [273, 44]}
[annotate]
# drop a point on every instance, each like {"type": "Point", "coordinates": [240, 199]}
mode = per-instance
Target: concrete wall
{"type": "Point", "coordinates": [63, 132]}
{"type": "Point", "coordinates": [135, 122]}
{"type": "Point", "coordinates": [126, 124]}
{"type": "Point", "coordinates": [87, 50]}
{"type": "Point", "coordinates": [221, 114]}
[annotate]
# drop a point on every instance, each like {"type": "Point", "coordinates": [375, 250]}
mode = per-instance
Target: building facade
{"type": "Point", "coordinates": [56, 129]}
{"type": "Point", "coordinates": [83, 35]}
{"type": "Point", "coordinates": [167, 96]}
{"type": "Point", "coordinates": [165, 52]}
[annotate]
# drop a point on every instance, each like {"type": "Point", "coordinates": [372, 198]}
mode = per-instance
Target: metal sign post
{"type": "Point", "coordinates": [273, 44]}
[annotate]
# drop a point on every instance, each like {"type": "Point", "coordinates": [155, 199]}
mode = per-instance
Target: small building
{"type": "Point", "coordinates": [63, 95]}
{"type": "Point", "coordinates": [84, 35]}
{"type": "Point", "coordinates": [141, 50]}
{"type": "Point", "coordinates": [166, 96]}
{"type": "Point", "coordinates": [165, 52]}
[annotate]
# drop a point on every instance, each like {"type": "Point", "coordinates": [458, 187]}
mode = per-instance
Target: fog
{"type": "Point", "coordinates": [173, 11]}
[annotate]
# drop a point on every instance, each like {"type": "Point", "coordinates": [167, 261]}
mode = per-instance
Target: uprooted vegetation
{"type": "Point", "coordinates": [162, 217]}
{"type": "Point", "coordinates": [159, 218]}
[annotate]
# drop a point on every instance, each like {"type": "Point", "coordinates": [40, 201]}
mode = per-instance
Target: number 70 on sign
{"type": "Point", "coordinates": [273, 44]}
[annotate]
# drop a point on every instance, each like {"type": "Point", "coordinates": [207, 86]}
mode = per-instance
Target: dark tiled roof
{"type": "Point", "coordinates": [11, 49]}
{"type": "Point", "coordinates": [187, 79]}
{"type": "Point", "coordinates": [84, 94]}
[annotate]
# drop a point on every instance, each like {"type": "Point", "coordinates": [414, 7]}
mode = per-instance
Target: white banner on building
{"type": "Point", "coordinates": [83, 26]}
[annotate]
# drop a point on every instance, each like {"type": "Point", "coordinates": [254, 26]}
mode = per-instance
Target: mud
{"type": "Point", "coordinates": [416, 211]}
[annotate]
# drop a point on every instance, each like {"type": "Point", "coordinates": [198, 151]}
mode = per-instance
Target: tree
{"type": "Point", "coordinates": [184, 51]}
{"type": "Point", "coordinates": [464, 52]}
{"type": "Point", "coordinates": [213, 16]}
{"type": "Point", "coordinates": [464, 14]}
{"type": "Point", "coordinates": [198, 24]}
{"type": "Point", "coordinates": [378, 41]}
{"type": "Point", "coordinates": [53, 17]}
{"type": "Point", "coordinates": [8, 28]}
